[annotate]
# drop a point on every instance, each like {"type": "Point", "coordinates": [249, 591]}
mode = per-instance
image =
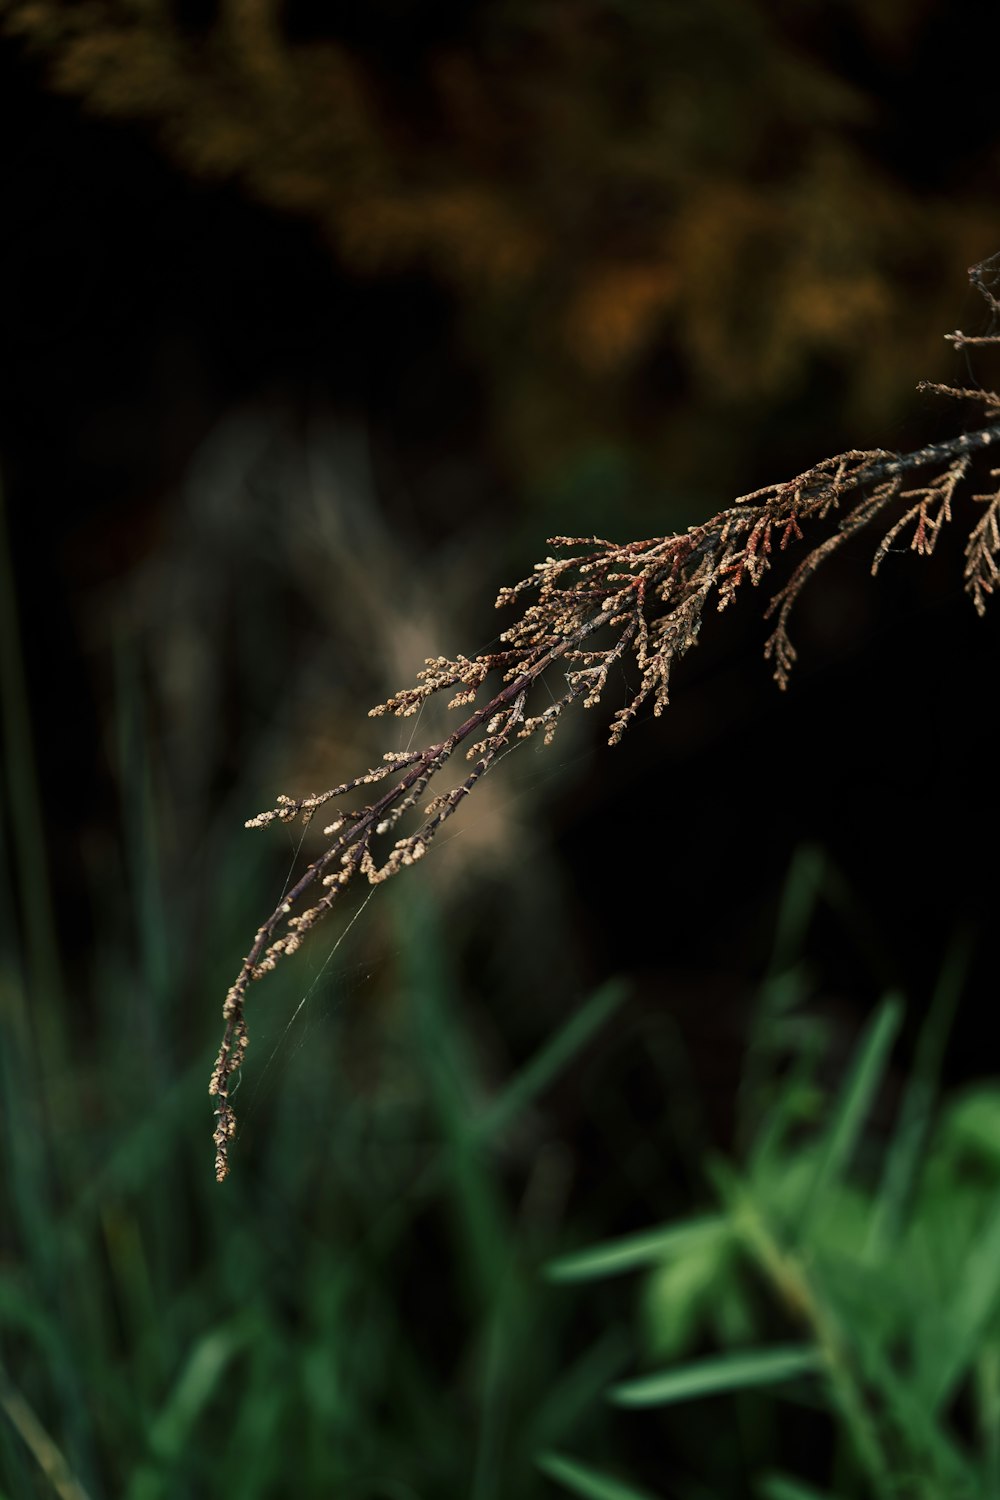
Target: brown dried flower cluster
{"type": "Point", "coordinates": [590, 605]}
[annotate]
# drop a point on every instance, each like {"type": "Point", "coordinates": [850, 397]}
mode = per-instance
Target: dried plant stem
{"type": "Point", "coordinates": [592, 608]}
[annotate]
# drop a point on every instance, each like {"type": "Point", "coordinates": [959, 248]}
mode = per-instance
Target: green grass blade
{"type": "Point", "coordinates": [781, 1487]}
{"type": "Point", "coordinates": [567, 1399]}
{"type": "Point", "coordinates": [855, 1101]}
{"type": "Point", "coordinates": [970, 1313]}
{"type": "Point", "coordinates": [537, 1075]}
{"type": "Point", "coordinates": [41, 1445]}
{"type": "Point", "coordinates": [988, 1414]}
{"type": "Point", "coordinates": [799, 900]}
{"type": "Point", "coordinates": [484, 1235]}
{"type": "Point", "coordinates": [194, 1388]}
{"type": "Point", "coordinates": [726, 1372]}
{"type": "Point", "coordinates": [944, 1466]}
{"type": "Point", "coordinates": [634, 1251]}
{"type": "Point", "coordinates": [907, 1150]}
{"type": "Point", "coordinates": [587, 1482]}
{"type": "Point", "coordinates": [780, 991]}
{"type": "Point", "coordinates": [534, 1078]}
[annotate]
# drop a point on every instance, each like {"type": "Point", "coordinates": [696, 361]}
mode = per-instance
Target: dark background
{"type": "Point", "coordinates": [638, 265]}
{"type": "Point", "coordinates": [143, 306]}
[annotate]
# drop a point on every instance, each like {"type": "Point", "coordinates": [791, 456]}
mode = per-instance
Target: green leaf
{"type": "Point", "coordinates": [971, 1310]}
{"type": "Point", "coordinates": [971, 1125]}
{"type": "Point", "coordinates": [942, 1462]}
{"type": "Point", "coordinates": [199, 1380]}
{"type": "Point", "coordinates": [781, 1487]}
{"type": "Point", "coordinates": [536, 1076]}
{"type": "Point", "coordinates": [727, 1372]}
{"type": "Point", "coordinates": [567, 1398]}
{"type": "Point", "coordinates": [589, 1483]}
{"type": "Point", "coordinates": [649, 1247]}
{"type": "Point", "coordinates": [682, 1295]}
{"type": "Point", "coordinates": [909, 1139]}
{"type": "Point", "coordinates": [855, 1101]}
{"type": "Point", "coordinates": [41, 1445]}
{"type": "Point", "coordinates": [799, 899]}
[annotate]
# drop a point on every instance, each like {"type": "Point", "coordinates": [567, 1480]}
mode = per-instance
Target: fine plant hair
{"type": "Point", "coordinates": [590, 605]}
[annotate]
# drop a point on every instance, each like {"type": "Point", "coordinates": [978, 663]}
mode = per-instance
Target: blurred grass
{"type": "Point", "coordinates": [358, 1312]}
{"type": "Point", "coordinates": [390, 1297]}
{"type": "Point", "coordinates": [877, 1250]}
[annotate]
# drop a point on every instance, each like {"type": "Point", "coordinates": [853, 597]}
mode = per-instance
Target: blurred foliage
{"type": "Point", "coordinates": [655, 221]}
{"type": "Point", "coordinates": [705, 198]}
{"type": "Point", "coordinates": [363, 1311]}
{"type": "Point", "coordinates": [853, 1264]}
{"type": "Point", "coordinates": [361, 1316]}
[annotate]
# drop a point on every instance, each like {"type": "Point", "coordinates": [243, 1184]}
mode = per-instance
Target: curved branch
{"type": "Point", "coordinates": [651, 596]}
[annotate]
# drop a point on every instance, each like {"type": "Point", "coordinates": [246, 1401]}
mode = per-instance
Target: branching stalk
{"type": "Point", "coordinates": [584, 610]}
